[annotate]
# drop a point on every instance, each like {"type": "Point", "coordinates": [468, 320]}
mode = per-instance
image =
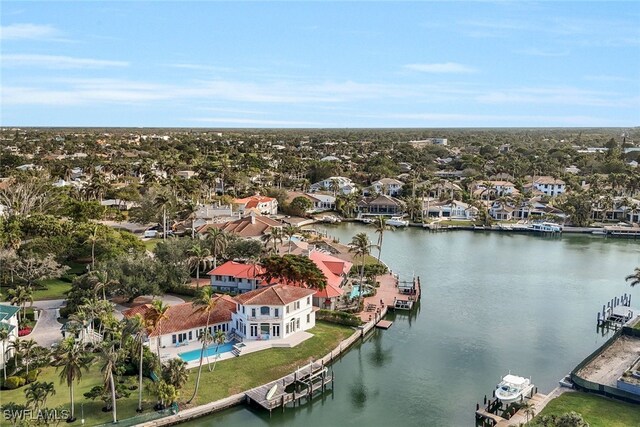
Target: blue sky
{"type": "Point", "coordinates": [321, 64]}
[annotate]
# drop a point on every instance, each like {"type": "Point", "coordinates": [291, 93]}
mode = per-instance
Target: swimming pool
{"type": "Point", "coordinates": [192, 355]}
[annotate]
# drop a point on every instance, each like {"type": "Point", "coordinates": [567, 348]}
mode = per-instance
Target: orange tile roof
{"type": "Point", "coordinates": [329, 291]}
{"type": "Point", "coordinates": [185, 316]}
{"type": "Point", "coordinates": [245, 227]}
{"type": "Point", "coordinates": [333, 268]}
{"type": "Point", "coordinates": [238, 270]}
{"type": "Point", "coordinates": [274, 295]}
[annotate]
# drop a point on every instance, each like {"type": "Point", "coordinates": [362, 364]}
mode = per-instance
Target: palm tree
{"type": "Point", "coordinates": [205, 303]}
{"type": "Point", "coordinates": [20, 296]}
{"type": "Point", "coordinates": [219, 338]}
{"type": "Point", "coordinates": [17, 346]}
{"type": "Point", "coordinates": [529, 409]}
{"type": "Point", "coordinates": [28, 348]}
{"type": "Point", "coordinates": [290, 231]}
{"type": "Point", "coordinates": [276, 236]}
{"type": "Point", "coordinates": [154, 318]}
{"type": "Point", "coordinates": [197, 255]}
{"type": "Point", "coordinates": [93, 239]}
{"type": "Point", "coordinates": [381, 226]}
{"type": "Point", "coordinates": [217, 240]}
{"type": "Point", "coordinates": [161, 201]}
{"type": "Point", "coordinates": [361, 247]}
{"type": "Point", "coordinates": [38, 392]}
{"type": "Point", "coordinates": [109, 353]}
{"type": "Point", "coordinates": [175, 373]}
{"type": "Point", "coordinates": [101, 281]}
{"type": "Point", "coordinates": [635, 277]}
{"type": "Point", "coordinates": [4, 336]}
{"type": "Point", "coordinates": [72, 358]}
{"type": "Point", "coordinates": [136, 330]}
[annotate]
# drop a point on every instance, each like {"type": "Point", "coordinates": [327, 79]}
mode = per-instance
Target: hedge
{"type": "Point", "coordinates": [11, 383]}
{"type": "Point", "coordinates": [33, 375]}
{"type": "Point", "coordinates": [338, 317]}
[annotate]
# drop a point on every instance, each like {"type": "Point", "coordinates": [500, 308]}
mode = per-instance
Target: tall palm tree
{"type": "Point", "coordinates": [205, 303]}
{"type": "Point", "coordinates": [154, 318]}
{"type": "Point", "coordinates": [381, 226]}
{"type": "Point", "coordinates": [162, 201]}
{"type": "Point", "coordinates": [217, 240]}
{"type": "Point", "coordinates": [110, 354]}
{"type": "Point", "coordinates": [175, 372]}
{"type": "Point", "coordinates": [361, 247]}
{"type": "Point", "coordinates": [17, 346]}
{"type": "Point", "coordinates": [28, 348]}
{"type": "Point", "coordinates": [4, 336]}
{"type": "Point", "coordinates": [219, 338]}
{"type": "Point", "coordinates": [197, 254]}
{"type": "Point", "coordinates": [634, 278]}
{"type": "Point", "coordinates": [290, 231]}
{"type": "Point", "coordinates": [276, 236]}
{"type": "Point", "coordinates": [135, 328]}
{"type": "Point", "coordinates": [93, 239]}
{"type": "Point", "coordinates": [72, 358]}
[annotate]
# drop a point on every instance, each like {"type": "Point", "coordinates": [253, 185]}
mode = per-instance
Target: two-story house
{"type": "Point", "coordinates": [236, 277]}
{"type": "Point", "coordinates": [386, 186]}
{"type": "Point", "coordinates": [273, 312]}
{"type": "Point", "coordinates": [262, 204]}
{"type": "Point", "coordinates": [337, 184]}
{"type": "Point", "coordinates": [549, 185]}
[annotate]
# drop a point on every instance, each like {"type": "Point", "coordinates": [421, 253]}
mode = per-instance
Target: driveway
{"type": "Point", "coordinates": [47, 329]}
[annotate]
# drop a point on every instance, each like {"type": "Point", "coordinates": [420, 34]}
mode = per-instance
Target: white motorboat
{"type": "Point", "coordinates": [512, 388]}
{"type": "Point", "coordinates": [546, 227]}
{"type": "Point", "coordinates": [397, 221]}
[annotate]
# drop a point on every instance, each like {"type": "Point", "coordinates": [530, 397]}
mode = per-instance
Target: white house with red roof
{"type": "Point", "coordinates": [184, 323]}
{"type": "Point", "coordinates": [236, 277]}
{"type": "Point", "coordinates": [273, 312]}
{"type": "Point", "coordinates": [336, 271]}
{"type": "Point", "coordinates": [262, 204]}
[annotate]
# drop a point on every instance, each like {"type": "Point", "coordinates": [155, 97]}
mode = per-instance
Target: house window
{"type": "Point", "coordinates": [254, 330]}
{"type": "Point", "coordinates": [309, 318]}
{"type": "Point", "coordinates": [308, 300]}
{"type": "Point", "coordinates": [190, 335]}
{"type": "Point", "coordinates": [287, 329]}
{"type": "Point", "coordinates": [243, 309]}
{"type": "Point", "coordinates": [173, 339]}
{"type": "Point", "coordinates": [218, 278]}
{"type": "Point", "coordinates": [287, 309]}
{"type": "Point", "coordinates": [276, 312]}
{"type": "Point", "coordinates": [264, 311]}
{"type": "Point", "coordinates": [298, 323]}
{"type": "Point", "coordinates": [275, 330]}
{"type": "Point", "coordinates": [297, 305]}
{"type": "Point", "coordinates": [253, 312]}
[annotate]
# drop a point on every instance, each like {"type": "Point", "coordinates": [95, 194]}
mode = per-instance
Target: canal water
{"type": "Point", "coordinates": [491, 303]}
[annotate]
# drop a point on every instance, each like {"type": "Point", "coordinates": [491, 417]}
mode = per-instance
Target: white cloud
{"type": "Point", "coordinates": [441, 68]}
{"type": "Point", "coordinates": [490, 120]}
{"type": "Point", "coordinates": [57, 62]}
{"type": "Point", "coordinates": [29, 32]}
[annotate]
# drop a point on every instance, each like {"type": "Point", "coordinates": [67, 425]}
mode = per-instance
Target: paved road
{"type": "Point", "coordinates": [47, 329]}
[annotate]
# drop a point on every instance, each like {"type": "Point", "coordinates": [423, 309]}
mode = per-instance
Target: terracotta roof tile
{"type": "Point", "coordinates": [274, 295]}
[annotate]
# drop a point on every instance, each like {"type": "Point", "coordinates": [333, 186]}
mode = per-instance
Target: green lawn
{"type": "Point", "coordinates": [151, 244]}
{"type": "Point", "coordinates": [52, 289]}
{"type": "Point", "coordinates": [597, 411]}
{"type": "Point", "coordinates": [242, 373]}
{"type": "Point", "coordinates": [92, 409]}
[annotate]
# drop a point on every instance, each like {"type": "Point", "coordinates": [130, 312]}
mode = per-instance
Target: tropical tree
{"type": "Point", "coordinates": [175, 372]}
{"type": "Point", "coordinates": [136, 329]}
{"type": "Point", "coordinates": [154, 318]}
{"type": "Point", "coordinates": [205, 303]}
{"type": "Point", "coordinates": [290, 231]}
{"type": "Point", "coordinates": [20, 296]}
{"type": "Point", "coordinates": [219, 338]}
{"type": "Point", "coordinates": [37, 393]}
{"type": "Point", "coordinates": [217, 240]}
{"type": "Point", "coordinates": [165, 392]}
{"type": "Point", "coordinates": [634, 278]}
{"type": "Point", "coordinates": [361, 248]}
{"type": "Point", "coordinates": [29, 349]}
{"type": "Point", "coordinates": [296, 270]}
{"type": "Point", "coordinates": [72, 358]}
{"type": "Point", "coordinates": [381, 226]}
{"type": "Point", "coordinates": [197, 255]}
{"type": "Point", "coordinates": [101, 281]}
{"type": "Point", "coordinates": [110, 354]}
{"type": "Point", "coordinates": [93, 239]}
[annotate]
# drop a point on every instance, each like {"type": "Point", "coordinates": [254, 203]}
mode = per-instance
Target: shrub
{"type": "Point", "coordinates": [11, 383]}
{"type": "Point", "coordinates": [24, 331]}
{"type": "Point", "coordinates": [33, 375]}
{"type": "Point", "coordinates": [338, 317]}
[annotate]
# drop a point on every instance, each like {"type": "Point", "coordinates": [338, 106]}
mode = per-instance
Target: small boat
{"type": "Point", "coordinates": [368, 220]}
{"type": "Point", "coordinates": [545, 227]}
{"type": "Point", "coordinates": [272, 391]}
{"type": "Point", "coordinates": [397, 221]}
{"type": "Point", "coordinates": [513, 388]}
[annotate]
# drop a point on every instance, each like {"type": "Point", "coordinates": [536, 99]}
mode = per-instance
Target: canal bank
{"type": "Point", "coordinates": [494, 302]}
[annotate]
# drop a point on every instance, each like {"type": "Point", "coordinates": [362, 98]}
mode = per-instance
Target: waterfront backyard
{"type": "Point", "coordinates": [597, 411]}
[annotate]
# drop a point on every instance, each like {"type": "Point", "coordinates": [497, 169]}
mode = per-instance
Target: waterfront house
{"type": "Point", "coordinates": [453, 209]}
{"type": "Point", "coordinates": [336, 272]}
{"type": "Point", "coordinates": [184, 323]}
{"type": "Point", "coordinates": [548, 185]}
{"type": "Point", "coordinates": [250, 226]}
{"type": "Point", "coordinates": [492, 189]}
{"type": "Point", "coordinates": [236, 277]}
{"type": "Point", "coordinates": [501, 211]}
{"type": "Point", "coordinates": [273, 312]}
{"type": "Point", "coordinates": [264, 205]}
{"type": "Point", "coordinates": [380, 205]}
{"type": "Point", "coordinates": [9, 322]}
{"type": "Point", "coordinates": [320, 201]}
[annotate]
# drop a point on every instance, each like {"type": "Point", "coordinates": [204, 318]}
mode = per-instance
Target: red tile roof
{"type": "Point", "coordinates": [253, 201]}
{"type": "Point", "coordinates": [249, 226]}
{"type": "Point", "coordinates": [274, 295]}
{"type": "Point", "coordinates": [238, 270]}
{"type": "Point", "coordinates": [333, 268]}
{"type": "Point", "coordinates": [329, 291]}
{"type": "Point", "coordinates": [185, 316]}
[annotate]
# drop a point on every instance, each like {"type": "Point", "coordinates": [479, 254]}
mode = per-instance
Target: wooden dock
{"type": "Point", "coordinates": [384, 324]}
{"type": "Point", "coordinates": [305, 381]}
{"type": "Point", "coordinates": [484, 414]}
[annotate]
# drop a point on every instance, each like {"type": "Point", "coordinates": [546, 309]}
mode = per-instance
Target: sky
{"type": "Point", "coordinates": [320, 64]}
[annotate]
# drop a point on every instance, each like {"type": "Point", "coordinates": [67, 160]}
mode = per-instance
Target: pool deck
{"type": "Point", "coordinates": [249, 347]}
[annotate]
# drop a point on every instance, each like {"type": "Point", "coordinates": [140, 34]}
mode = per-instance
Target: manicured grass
{"type": "Point", "coordinates": [597, 411]}
{"type": "Point", "coordinates": [93, 414]}
{"type": "Point", "coordinates": [53, 289]}
{"type": "Point", "coordinates": [242, 373]}
{"type": "Point", "coordinates": [151, 244]}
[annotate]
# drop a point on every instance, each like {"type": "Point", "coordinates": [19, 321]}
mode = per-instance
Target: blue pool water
{"type": "Point", "coordinates": [192, 355]}
{"type": "Point", "coordinates": [355, 291]}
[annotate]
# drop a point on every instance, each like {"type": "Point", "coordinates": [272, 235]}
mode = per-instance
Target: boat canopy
{"type": "Point", "coordinates": [514, 379]}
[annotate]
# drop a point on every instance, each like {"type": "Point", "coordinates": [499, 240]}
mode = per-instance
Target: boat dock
{"type": "Point", "coordinates": [390, 294]}
{"type": "Point", "coordinates": [301, 384]}
{"type": "Point", "coordinates": [616, 313]}
{"type": "Point", "coordinates": [384, 324]}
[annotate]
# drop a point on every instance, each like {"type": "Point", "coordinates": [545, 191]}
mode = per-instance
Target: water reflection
{"type": "Point", "coordinates": [379, 356]}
